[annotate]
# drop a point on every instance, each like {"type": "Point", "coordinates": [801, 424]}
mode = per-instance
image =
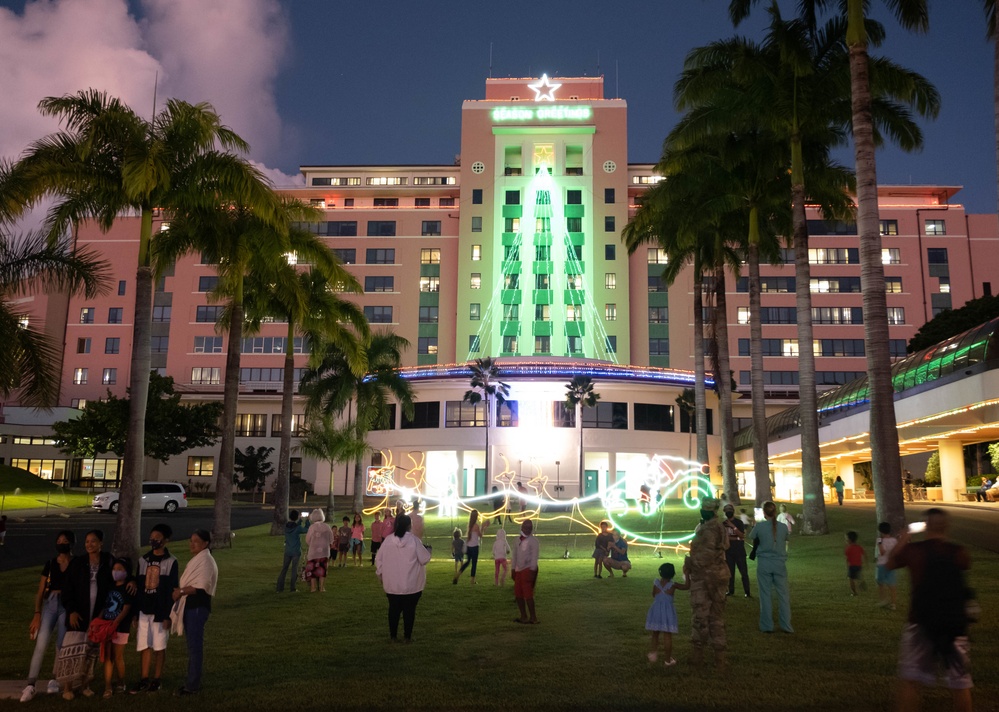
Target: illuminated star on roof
{"type": "Point", "coordinates": [543, 89]}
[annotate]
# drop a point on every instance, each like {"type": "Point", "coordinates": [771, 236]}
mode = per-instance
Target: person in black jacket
{"type": "Point", "coordinates": [88, 580]}
{"type": "Point", "coordinates": [157, 575]}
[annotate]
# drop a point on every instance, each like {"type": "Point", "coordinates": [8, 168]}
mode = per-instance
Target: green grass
{"type": "Point", "coordinates": [321, 651]}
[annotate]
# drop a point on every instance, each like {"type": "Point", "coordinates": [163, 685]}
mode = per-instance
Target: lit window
{"type": "Point", "coordinates": [889, 227]}
{"type": "Point", "coordinates": [476, 281]}
{"type": "Point", "coordinates": [87, 315]}
{"type": "Point", "coordinates": [743, 315]}
{"type": "Point", "coordinates": [936, 227]}
{"type": "Point", "coordinates": [430, 284]}
{"type": "Point", "coordinates": [23, 322]}
{"type": "Point", "coordinates": [430, 256]}
{"type": "Point", "coordinates": [945, 285]}
{"type": "Point", "coordinates": [610, 312]}
{"type": "Point", "coordinates": [474, 311]}
{"type": "Point", "coordinates": [657, 256]}
{"type": "Point", "coordinates": [476, 253]}
{"type": "Point", "coordinates": [610, 280]}
{"type": "Point", "coordinates": [427, 345]}
{"type": "Point", "coordinates": [80, 376]}
{"type": "Point", "coordinates": [110, 376]}
{"type": "Point", "coordinates": [890, 256]}
{"type": "Point", "coordinates": [573, 312]}
{"type": "Point", "coordinates": [200, 466]}
{"type": "Point", "coordinates": [896, 315]}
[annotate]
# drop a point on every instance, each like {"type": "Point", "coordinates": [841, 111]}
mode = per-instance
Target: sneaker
{"type": "Point", "coordinates": [28, 693]}
{"type": "Point", "coordinates": [120, 689]}
{"type": "Point", "coordinates": [154, 685]}
{"type": "Point", "coordinates": [141, 686]}
{"type": "Point", "coordinates": [53, 687]}
{"type": "Point", "coordinates": [670, 663]}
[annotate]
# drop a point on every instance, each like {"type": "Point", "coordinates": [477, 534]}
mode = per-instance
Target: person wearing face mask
{"type": "Point", "coordinates": [49, 612]}
{"type": "Point", "coordinates": [708, 573]}
{"type": "Point", "coordinates": [156, 577]}
{"type": "Point", "coordinates": [771, 570]}
{"type": "Point", "coordinates": [735, 556]}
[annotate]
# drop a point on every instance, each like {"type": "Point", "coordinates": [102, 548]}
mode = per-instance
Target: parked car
{"type": "Point", "coordinates": [167, 496]}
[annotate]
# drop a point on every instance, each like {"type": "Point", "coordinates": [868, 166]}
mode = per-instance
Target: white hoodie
{"type": "Point", "coordinates": [501, 550]}
{"type": "Point", "coordinates": [401, 564]}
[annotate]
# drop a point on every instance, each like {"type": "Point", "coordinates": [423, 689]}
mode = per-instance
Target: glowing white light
{"type": "Point", "coordinates": [544, 90]}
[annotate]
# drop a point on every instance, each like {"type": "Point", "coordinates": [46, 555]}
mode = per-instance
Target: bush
{"type": "Point", "coordinates": [298, 488]}
{"type": "Point", "coordinates": [932, 476]}
{"type": "Point", "coordinates": [974, 481]}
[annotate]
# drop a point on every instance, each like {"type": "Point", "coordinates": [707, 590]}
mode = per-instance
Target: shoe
{"type": "Point", "coordinates": [107, 694]}
{"type": "Point", "coordinates": [154, 685]}
{"type": "Point", "coordinates": [730, 593]}
{"type": "Point", "coordinates": [670, 663]}
{"type": "Point", "coordinates": [28, 693]}
{"type": "Point", "coordinates": [67, 695]}
{"type": "Point", "coordinates": [748, 596]}
{"type": "Point", "coordinates": [455, 581]}
{"type": "Point", "coordinates": [53, 687]}
{"type": "Point", "coordinates": [183, 691]}
{"type": "Point", "coordinates": [87, 692]}
{"type": "Point", "coordinates": [120, 689]}
{"type": "Point", "coordinates": [141, 686]}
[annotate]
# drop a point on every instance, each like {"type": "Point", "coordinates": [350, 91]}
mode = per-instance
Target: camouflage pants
{"type": "Point", "coordinates": [707, 606]}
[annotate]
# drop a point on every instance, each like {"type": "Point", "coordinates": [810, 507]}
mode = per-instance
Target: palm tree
{"type": "Point", "coordinates": [29, 359]}
{"type": "Point", "coordinates": [310, 306]}
{"type": "Point", "coordinates": [323, 440]}
{"type": "Point", "coordinates": [334, 383]}
{"type": "Point", "coordinates": [109, 161]}
{"type": "Point", "coordinates": [485, 384]}
{"type": "Point", "coordinates": [579, 394]}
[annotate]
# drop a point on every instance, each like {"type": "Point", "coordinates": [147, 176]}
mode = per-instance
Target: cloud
{"type": "Point", "coordinates": [278, 178]}
{"type": "Point", "coordinates": [226, 52]}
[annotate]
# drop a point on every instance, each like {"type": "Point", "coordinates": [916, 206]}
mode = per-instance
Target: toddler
{"type": "Point", "coordinates": [855, 556]}
{"type": "Point", "coordinates": [884, 576]}
{"type": "Point", "coordinates": [457, 550]}
{"type": "Point", "coordinates": [661, 617]}
{"type": "Point", "coordinates": [501, 555]}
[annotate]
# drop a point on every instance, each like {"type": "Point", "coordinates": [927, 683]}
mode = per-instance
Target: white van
{"type": "Point", "coordinates": [166, 496]}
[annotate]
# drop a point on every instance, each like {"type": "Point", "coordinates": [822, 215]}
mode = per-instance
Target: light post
{"type": "Point", "coordinates": [558, 478]}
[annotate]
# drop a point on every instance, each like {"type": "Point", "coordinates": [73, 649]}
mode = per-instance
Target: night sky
{"type": "Point", "coordinates": [323, 81]}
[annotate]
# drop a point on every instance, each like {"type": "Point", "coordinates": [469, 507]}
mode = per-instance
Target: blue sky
{"type": "Point", "coordinates": [324, 81]}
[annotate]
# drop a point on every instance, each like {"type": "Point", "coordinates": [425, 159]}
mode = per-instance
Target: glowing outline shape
{"type": "Point", "coordinates": [543, 83]}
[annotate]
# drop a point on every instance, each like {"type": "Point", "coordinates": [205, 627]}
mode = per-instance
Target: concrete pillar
{"type": "Point", "coordinates": [612, 468]}
{"type": "Point", "coordinates": [951, 469]}
{"type": "Point", "coordinates": [844, 468]}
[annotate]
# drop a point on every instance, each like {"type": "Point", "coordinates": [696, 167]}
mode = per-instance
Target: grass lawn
{"type": "Point", "coordinates": [320, 651]}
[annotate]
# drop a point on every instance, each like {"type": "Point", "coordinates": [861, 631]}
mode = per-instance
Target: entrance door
{"type": "Point", "coordinates": [589, 482]}
{"type": "Point", "coordinates": [480, 481]}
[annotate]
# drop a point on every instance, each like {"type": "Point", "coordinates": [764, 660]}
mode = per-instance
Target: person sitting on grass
{"type": "Point", "coordinates": [855, 556]}
{"type": "Point", "coordinates": [618, 558]}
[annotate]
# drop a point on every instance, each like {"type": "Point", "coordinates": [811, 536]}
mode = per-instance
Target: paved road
{"type": "Point", "coordinates": [31, 543]}
{"type": "Point", "coordinates": [971, 525]}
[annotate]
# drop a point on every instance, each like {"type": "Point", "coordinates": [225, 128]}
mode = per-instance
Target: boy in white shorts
{"type": "Point", "coordinates": [156, 577]}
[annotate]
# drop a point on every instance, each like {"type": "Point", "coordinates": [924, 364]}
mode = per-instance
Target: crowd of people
{"type": "Point", "coordinates": [92, 603]}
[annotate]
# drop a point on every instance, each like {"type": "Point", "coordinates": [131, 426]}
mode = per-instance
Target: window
{"type": "Point", "coordinates": [446, 202]}
{"type": "Point", "coordinates": [611, 344]}
{"type": "Point", "coordinates": [378, 315]}
{"type": "Point", "coordinates": [936, 227]}
{"type": "Point", "coordinates": [608, 195]}
{"type": "Point", "coordinates": [837, 315]}
{"type": "Point", "coordinates": [428, 315]}
{"type": "Point", "coordinates": [542, 344]}
{"type": "Point", "coordinates": [251, 425]}
{"type": "Point", "coordinates": [434, 180]}
{"type": "Point", "coordinates": [508, 414]}
{"type": "Point", "coordinates": [476, 281]}
{"type": "Point", "coordinates": [573, 312]}
{"type": "Point", "coordinates": [380, 256]}
{"type": "Point", "coordinates": [431, 227]}
{"type": "Point", "coordinates": [542, 225]}
{"type": "Point", "coordinates": [891, 256]}
{"type": "Point", "coordinates": [342, 228]}
{"type": "Point", "coordinates": [277, 424]}
{"type": "Point", "coordinates": [121, 287]}
{"type": "Point", "coordinates": [510, 344]}
{"type": "Point", "coordinates": [206, 376]}
{"type": "Point", "coordinates": [835, 227]}
{"type": "Point", "coordinates": [461, 414]}
{"type": "Point", "coordinates": [542, 253]}
{"type": "Point", "coordinates": [654, 416]}
{"type": "Point", "coordinates": [207, 284]}
{"type": "Point", "coordinates": [657, 284]}
{"type": "Point", "coordinates": [609, 223]}
{"type": "Point", "coordinates": [511, 224]}
{"type": "Point", "coordinates": [610, 252]}
{"type": "Point", "coordinates": [574, 252]}
{"type": "Point", "coordinates": [426, 345]}
{"type": "Point", "coordinates": [658, 315]}
{"type": "Point", "coordinates": [347, 256]}
{"type": "Point", "coordinates": [511, 312]}
{"type": "Point", "coordinates": [473, 344]}
{"type": "Point", "coordinates": [574, 224]}
{"type": "Point", "coordinates": [87, 315]}
{"type": "Point", "coordinates": [889, 227]}
{"type": "Point", "coordinates": [573, 197]}
{"type": "Point", "coordinates": [208, 314]}
{"type": "Point", "coordinates": [657, 256]}
{"type": "Point", "coordinates": [840, 347]}
{"type": "Point", "coordinates": [207, 344]}
{"type": "Point", "coordinates": [658, 347]}
{"type": "Point", "coordinates": [512, 197]}
{"type": "Point", "coordinates": [610, 312]}
{"type": "Point", "coordinates": [606, 415]}
{"type": "Point", "coordinates": [83, 346]}
{"type": "Point", "coordinates": [511, 281]}
{"type": "Point", "coordinates": [574, 344]}
{"type": "Point", "coordinates": [610, 280]}
{"type": "Point", "coordinates": [770, 315]}
{"type": "Point", "coordinates": [893, 285]}
{"type": "Point", "coordinates": [476, 196]}
{"type": "Point", "coordinates": [476, 253]}
{"type": "Point", "coordinates": [422, 202]}
{"type": "Point", "coordinates": [157, 345]}
{"type": "Point", "coordinates": [110, 376]}
{"type": "Point", "coordinates": [834, 256]}
{"type": "Point", "coordinates": [476, 224]}
{"type": "Point", "coordinates": [835, 285]}
{"type": "Point", "coordinates": [200, 466]}
{"type": "Point", "coordinates": [541, 281]}
{"type": "Point", "coordinates": [944, 285]}
{"type": "Point", "coordinates": [379, 284]}
{"type": "Point", "coordinates": [80, 376]}
{"type": "Point", "coordinates": [430, 256]}
{"type": "Point", "coordinates": [896, 315]}
{"type": "Point", "coordinates": [426, 414]}
{"type": "Point", "coordinates": [768, 285]}
{"type": "Point", "coordinates": [115, 315]}
{"type": "Point", "coordinates": [162, 314]}
{"type": "Point", "coordinates": [474, 311]}
{"type": "Point", "coordinates": [542, 312]}
{"type": "Point", "coordinates": [384, 202]}
{"type": "Point", "coordinates": [897, 348]}
{"type": "Point", "coordinates": [936, 255]}
{"type": "Point", "coordinates": [381, 228]}
{"type": "Point", "coordinates": [111, 345]}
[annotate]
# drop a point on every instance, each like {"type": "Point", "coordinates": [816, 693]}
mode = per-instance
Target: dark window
{"type": "Point", "coordinates": [207, 284]}
{"type": "Point", "coordinates": [611, 344]}
{"type": "Point", "coordinates": [121, 287]}
{"type": "Point", "coordinates": [609, 223]}
{"type": "Point", "coordinates": [778, 315]}
{"type": "Point", "coordinates": [111, 345]}
{"type": "Point", "coordinates": [610, 252]}
{"type": "Point", "coordinates": [389, 422]}
{"type": "Point", "coordinates": [83, 346]}
{"type": "Point", "coordinates": [608, 415]}
{"type": "Point", "coordinates": [322, 181]}
{"type": "Point", "coordinates": [829, 227]}
{"type": "Point", "coordinates": [378, 315]}
{"type": "Point", "coordinates": [386, 202]}
{"type": "Point", "coordinates": [563, 417]}
{"type": "Point", "coordinates": [115, 315]}
{"type": "Point", "coordinates": [431, 227]}
{"type": "Point", "coordinates": [657, 284]}
{"type": "Point", "coordinates": [161, 314]}
{"type": "Point", "coordinates": [573, 197]}
{"type": "Point", "coordinates": [608, 195]}
{"type": "Point", "coordinates": [574, 224]}
{"type": "Point", "coordinates": [473, 344]}
{"type": "Point", "coordinates": [768, 285]}
{"type": "Point", "coordinates": [658, 315]}
{"type": "Point", "coordinates": [426, 414]}
{"type": "Point", "coordinates": [936, 255]}
{"type": "Point", "coordinates": [381, 228]}
{"type": "Point", "coordinates": [513, 197]}
{"type": "Point", "coordinates": [208, 314]}
{"type": "Point", "coordinates": [476, 196]}
{"type": "Point", "coordinates": [379, 284]}
{"type": "Point", "coordinates": [844, 347]}
{"type": "Point", "coordinates": [688, 421]}
{"type": "Point", "coordinates": [380, 256]}
{"type": "Point", "coordinates": [658, 347]}
{"type": "Point", "coordinates": [341, 228]}
{"type": "Point", "coordinates": [446, 202]}
{"type": "Point", "coordinates": [428, 315]}
{"type": "Point", "coordinates": [422, 202]}
{"type": "Point", "coordinates": [347, 256]}
{"type": "Point", "coordinates": [897, 348]}
{"type": "Point", "coordinates": [653, 416]}
{"type": "Point", "coordinates": [159, 344]}
{"type": "Point", "coordinates": [426, 345]}
{"type": "Point", "coordinates": [508, 414]}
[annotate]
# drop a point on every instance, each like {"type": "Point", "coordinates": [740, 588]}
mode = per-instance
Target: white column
{"type": "Point", "coordinates": [951, 469]}
{"type": "Point", "coordinates": [845, 471]}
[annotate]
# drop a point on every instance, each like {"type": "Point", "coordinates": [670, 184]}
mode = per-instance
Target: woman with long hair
{"type": "Point", "coordinates": [471, 546]}
{"type": "Point", "coordinates": [401, 567]}
{"type": "Point", "coordinates": [771, 570]}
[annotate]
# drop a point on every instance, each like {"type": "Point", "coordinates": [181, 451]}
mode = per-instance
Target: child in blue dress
{"type": "Point", "coordinates": [661, 617]}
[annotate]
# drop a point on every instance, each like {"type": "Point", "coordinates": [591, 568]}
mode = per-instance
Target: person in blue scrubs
{"type": "Point", "coordinates": [771, 570]}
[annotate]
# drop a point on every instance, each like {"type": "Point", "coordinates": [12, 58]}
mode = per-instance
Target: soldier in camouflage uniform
{"type": "Point", "coordinates": [707, 571]}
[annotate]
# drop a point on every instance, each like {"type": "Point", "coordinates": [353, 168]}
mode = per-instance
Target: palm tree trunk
{"type": "Point", "coordinates": [281, 486]}
{"type": "Point", "coordinates": [885, 460]}
{"type": "Point", "coordinates": [487, 437]}
{"type": "Point", "coordinates": [222, 525]}
{"type": "Point", "coordinates": [128, 522]}
{"type": "Point", "coordinates": [579, 425]}
{"type": "Point", "coordinates": [813, 513]}
{"type": "Point", "coordinates": [723, 379]}
{"type": "Point", "coordinates": [358, 485]}
{"type": "Point", "coordinates": [700, 394]}
{"type": "Point", "coordinates": [761, 449]}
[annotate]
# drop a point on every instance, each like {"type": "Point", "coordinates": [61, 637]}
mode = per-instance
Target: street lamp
{"type": "Point", "coordinates": [558, 478]}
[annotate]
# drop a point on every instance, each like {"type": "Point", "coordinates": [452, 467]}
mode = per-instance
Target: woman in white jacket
{"type": "Point", "coordinates": [401, 567]}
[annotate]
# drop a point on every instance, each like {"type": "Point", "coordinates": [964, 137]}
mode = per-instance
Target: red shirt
{"type": "Point", "coordinates": [854, 555]}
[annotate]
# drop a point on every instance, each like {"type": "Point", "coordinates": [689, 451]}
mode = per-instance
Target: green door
{"type": "Point", "coordinates": [589, 482]}
{"type": "Point", "coordinates": [480, 481]}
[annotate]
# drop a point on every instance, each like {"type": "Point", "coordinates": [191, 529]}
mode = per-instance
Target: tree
{"type": "Point", "coordinates": [485, 385]}
{"type": "Point", "coordinates": [323, 440]}
{"type": "Point", "coordinates": [994, 456]}
{"type": "Point", "coordinates": [333, 384]}
{"type": "Point", "coordinates": [174, 427]}
{"type": "Point", "coordinates": [579, 394]}
{"type": "Point", "coordinates": [952, 322]}
{"type": "Point", "coordinates": [932, 476]}
{"type": "Point", "coordinates": [310, 306]}
{"type": "Point", "coordinates": [29, 360]}
{"type": "Point", "coordinates": [252, 468]}
{"type": "Point", "coordinates": [109, 161]}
